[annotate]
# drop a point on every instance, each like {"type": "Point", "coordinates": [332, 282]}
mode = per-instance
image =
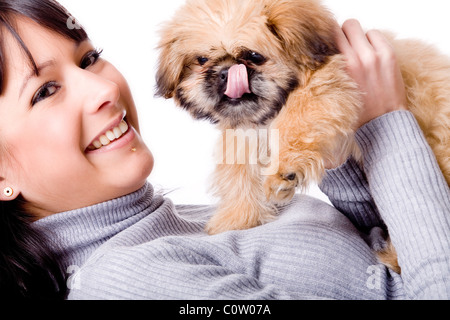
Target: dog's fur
{"type": "Point", "coordinates": [298, 85]}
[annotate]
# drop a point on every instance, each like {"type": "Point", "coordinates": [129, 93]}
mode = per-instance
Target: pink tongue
{"type": "Point", "coordinates": [237, 82]}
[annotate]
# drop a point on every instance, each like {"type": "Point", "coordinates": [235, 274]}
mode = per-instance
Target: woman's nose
{"type": "Point", "coordinates": [96, 92]}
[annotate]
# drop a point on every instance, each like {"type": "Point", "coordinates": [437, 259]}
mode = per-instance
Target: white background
{"type": "Point", "coordinates": [127, 31]}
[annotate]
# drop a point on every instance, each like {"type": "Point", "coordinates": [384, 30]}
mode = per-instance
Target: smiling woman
{"type": "Point", "coordinates": [50, 71]}
{"type": "Point", "coordinates": [86, 98]}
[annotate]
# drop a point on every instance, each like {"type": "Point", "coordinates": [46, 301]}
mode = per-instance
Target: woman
{"type": "Point", "coordinates": [76, 203]}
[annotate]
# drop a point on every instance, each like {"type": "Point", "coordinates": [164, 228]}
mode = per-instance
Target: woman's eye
{"type": "Point", "coordinates": [90, 59]}
{"type": "Point", "coordinates": [44, 92]}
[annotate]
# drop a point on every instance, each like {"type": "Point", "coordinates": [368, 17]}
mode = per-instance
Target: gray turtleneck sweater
{"type": "Point", "coordinates": [142, 246]}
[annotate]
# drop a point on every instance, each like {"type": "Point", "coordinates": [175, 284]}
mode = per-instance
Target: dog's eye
{"type": "Point", "coordinates": [202, 60]}
{"type": "Point", "coordinates": [255, 57]}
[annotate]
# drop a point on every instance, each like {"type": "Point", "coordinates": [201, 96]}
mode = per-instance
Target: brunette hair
{"type": "Point", "coordinates": [28, 266]}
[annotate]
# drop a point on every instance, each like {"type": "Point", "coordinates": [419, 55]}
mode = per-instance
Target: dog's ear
{"type": "Point", "coordinates": [170, 66]}
{"type": "Point", "coordinates": [305, 29]}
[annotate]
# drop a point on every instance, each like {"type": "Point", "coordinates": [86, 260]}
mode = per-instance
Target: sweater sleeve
{"type": "Point", "coordinates": [412, 198]}
{"type": "Point", "coordinates": [348, 190]}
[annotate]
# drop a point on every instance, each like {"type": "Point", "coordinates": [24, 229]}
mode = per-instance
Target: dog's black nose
{"type": "Point", "coordinates": [224, 75]}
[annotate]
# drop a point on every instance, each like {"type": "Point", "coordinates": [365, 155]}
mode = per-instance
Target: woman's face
{"type": "Point", "coordinates": [52, 124]}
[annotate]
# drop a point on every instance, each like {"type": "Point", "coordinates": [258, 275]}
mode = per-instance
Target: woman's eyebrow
{"type": "Point", "coordinates": [34, 74]}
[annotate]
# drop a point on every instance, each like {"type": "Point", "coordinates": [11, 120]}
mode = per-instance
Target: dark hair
{"type": "Point", "coordinates": [28, 266]}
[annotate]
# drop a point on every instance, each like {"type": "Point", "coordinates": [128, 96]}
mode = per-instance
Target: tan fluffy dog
{"type": "Point", "coordinates": [274, 65]}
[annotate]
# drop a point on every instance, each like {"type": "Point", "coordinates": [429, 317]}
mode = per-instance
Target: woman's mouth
{"type": "Point", "coordinates": [109, 136]}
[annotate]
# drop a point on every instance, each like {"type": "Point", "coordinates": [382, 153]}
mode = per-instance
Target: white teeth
{"type": "Point", "coordinates": [109, 136]}
{"type": "Point", "coordinates": [123, 126]}
{"type": "Point", "coordinates": [104, 140]}
{"type": "Point", "coordinates": [117, 133]}
{"type": "Point", "coordinates": [97, 144]}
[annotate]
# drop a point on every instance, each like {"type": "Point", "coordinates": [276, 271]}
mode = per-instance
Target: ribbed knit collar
{"type": "Point", "coordinates": [76, 234]}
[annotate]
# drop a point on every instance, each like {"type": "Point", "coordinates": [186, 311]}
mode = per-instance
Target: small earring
{"type": "Point", "coordinates": [8, 192]}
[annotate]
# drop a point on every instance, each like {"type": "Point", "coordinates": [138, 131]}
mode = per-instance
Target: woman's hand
{"type": "Point", "coordinates": [372, 63]}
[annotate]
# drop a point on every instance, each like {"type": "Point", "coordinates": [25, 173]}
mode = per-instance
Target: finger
{"type": "Point", "coordinates": [379, 42]}
{"type": "Point", "coordinates": [347, 51]}
{"type": "Point", "coordinates": [342, 42]}
{"type": "Point", "coordinates": [384, 51]}
{"type": "Point", "coordinates": [357, 37]}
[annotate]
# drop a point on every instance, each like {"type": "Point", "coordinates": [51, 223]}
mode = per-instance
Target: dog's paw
{"type": "Point", "coordinates": [280, 188]}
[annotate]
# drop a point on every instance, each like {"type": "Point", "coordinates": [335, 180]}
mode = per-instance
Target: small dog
{"type": "Point", "coordinates": [274, 65]}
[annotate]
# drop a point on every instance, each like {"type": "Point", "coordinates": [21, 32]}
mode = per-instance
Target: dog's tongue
{"type": "Point", "coordinates": [237, 82]}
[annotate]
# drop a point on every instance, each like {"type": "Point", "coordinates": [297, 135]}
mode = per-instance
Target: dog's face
{"type": "Point", "coordinates": [235, 62]}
